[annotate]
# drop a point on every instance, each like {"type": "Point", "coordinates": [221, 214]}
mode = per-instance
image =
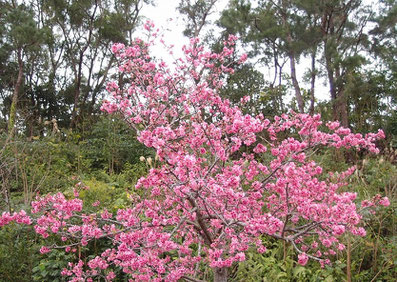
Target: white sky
{"type": "Point", "coordinates": [166, 17]}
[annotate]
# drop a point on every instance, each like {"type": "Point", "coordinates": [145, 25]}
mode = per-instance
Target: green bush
{"type": "Point", "coordinates": [19, 252]}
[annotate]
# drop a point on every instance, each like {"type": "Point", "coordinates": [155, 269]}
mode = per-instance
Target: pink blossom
{"type": "Point", "coordinates": [44, 250]}
{"type": "Point", "coordinates": [260, 149]}
{"type": "Point", "coordinates": [303, 258]}
{"type": "Point", "coordinates": [96, 203]}
{"type": "Point", "coordinates": [243, 58]}
{"type": "Point", "coordinates": [384, 202]}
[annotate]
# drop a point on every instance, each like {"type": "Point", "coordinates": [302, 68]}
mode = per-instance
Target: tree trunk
{"type": "Point", "coordinates": [77, 92]}
{"type": "Point", "coordinates": [295, 83]}
{"type": "Point", "coordinates": [13, 109]}
{"type": "Point", "coordinates": [220, 274]}
{"type": "Point", "coordinates": [336, 88]}
{"type": "Point", "coordinates": [348, 262]}
{"type": "Point", "coordinates": [291, 55]}
{"type": "Point", "coordinates": [334, 68]}
{"type": "Point", "coordinates": [312, 81]}
{"type": "Point", "coordinates": [341, 108]}
{"type": "Point", "coordinates": [340, 101]}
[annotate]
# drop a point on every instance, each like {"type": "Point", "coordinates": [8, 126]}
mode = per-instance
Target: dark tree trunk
{"type": "Point", "coordinates": [292, 58]}
{"type": "Point", "coordinates": [77, 91]}
{"type": "Point", "coordinates": [338, 98]}
{"type": "Point", "coordinates": [336, 88]}
{"type": "Point", "coordinates": [13, 109]}
{"type": "Point", "coordinates": [220, 274]}
{"type": "Point", "coordinates": [312, 82]}
{"type": "Point", "coordinates": [340, 109]}
{"type": "Point", "coordinates": [332, 26]}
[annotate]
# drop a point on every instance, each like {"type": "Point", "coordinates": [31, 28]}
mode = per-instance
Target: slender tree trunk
{"type": "Point", "coordinates": [220, 274]}
{"type": "Point", "coordinates": [340, 109]}
{"type": "Point", "coordinates": [330, 74]}
{"type": "Point", "coordinates": [348, 262]}
{"type": "Point", "coordinates": [98, 87]}
{"type": "Point", "coordinates": [291, 55]}
{"type": "Point", "coordinates": [312, 81]}
{"type": "Point", "coordinates": [337, 88]}
{"type": "Point", "coordinates": [77, 93]}
{"type": "Point", "coordinates": [338, 99]}
{"type": "Point", "coordinates": [13, 109]}
{"type": "Point", "coordinates": [295, 83]}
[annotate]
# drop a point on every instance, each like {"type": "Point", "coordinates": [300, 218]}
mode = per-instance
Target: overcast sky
{"type": "Point", "coordinates": [166, 17]}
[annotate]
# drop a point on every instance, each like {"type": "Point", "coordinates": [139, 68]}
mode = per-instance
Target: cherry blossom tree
{"type": "Point", "coordinates": [221, 182]}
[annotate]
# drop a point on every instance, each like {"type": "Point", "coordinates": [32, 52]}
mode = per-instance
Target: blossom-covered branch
{"type": "Point", "coordinates": [203, 193]}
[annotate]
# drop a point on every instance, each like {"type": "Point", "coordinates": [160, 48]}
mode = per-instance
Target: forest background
{"type": "Point", "coordinates": [55, 61]}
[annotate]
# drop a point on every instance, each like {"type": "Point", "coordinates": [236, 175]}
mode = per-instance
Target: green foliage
{"type": "Point", "coordinates": [109, 195]}
{"type": "Point", "coordinates": [65, 49]}
{"type": "Point", "coordinates": [50, 266]}
{"type": "Point", "coordinates": [111, 145]}
{"type": "Point", "coordinates": [271, 100]}
{"type": "Point", "coordinates": [20, 259]}
{"type": "Point", "coordinates": [196, 13]}
{"type": "Point", "coordinates": [272, 266]}
{"type": "Point", "coordinates": [375, 176]}
{"type": "Point", "coordinates": [109, 153]}
{"type": "Point", "coordinates": [22, 28]}
{"type": "Point", "coordinates": [374, 256]}
{"type": "Point", "coordinates": [19, 252]}
{"type": "Point", "coordinates": [245, 81]}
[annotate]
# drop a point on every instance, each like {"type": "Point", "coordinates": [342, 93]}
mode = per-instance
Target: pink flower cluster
{"type": "Point", "coordinates": [17, 217]}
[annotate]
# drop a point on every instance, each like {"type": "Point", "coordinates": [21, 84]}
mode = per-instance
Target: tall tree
{"type": "Point", "coordinates": [64, 78]}
{"type": "Point", "coordinates": [87, 30]}
{"type": "Point", "coordinates": [384, 50]}
{"type": "Point", "coordinates": [384, 34]}
{"type": "Point", "coordinates": [277, 33]}
{"type": "Point", "coordinates": [332, 34]}
{"type": "Point", "coordinates": [196, 14]}
{"type": "Point", "coordinates": [21, 39]}
{"type": "Point", "coordinates": [342, 25]}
